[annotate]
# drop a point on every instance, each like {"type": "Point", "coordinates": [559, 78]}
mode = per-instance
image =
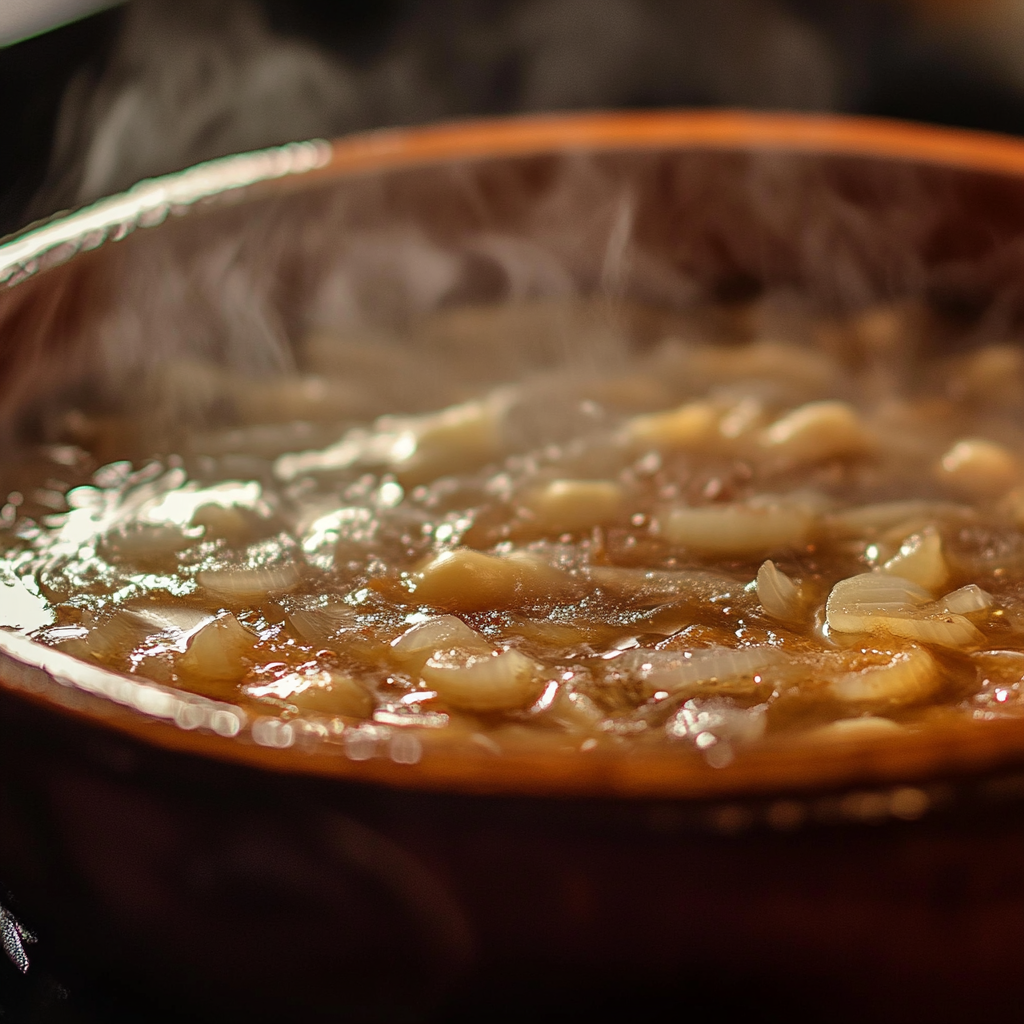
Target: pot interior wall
{"type": "Point", "coordinates": [656, 238]}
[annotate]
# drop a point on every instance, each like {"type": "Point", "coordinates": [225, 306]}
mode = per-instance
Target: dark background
{"type": "Point", "coordinates": [461, 58]}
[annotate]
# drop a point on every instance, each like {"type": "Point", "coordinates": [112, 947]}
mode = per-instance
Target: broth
{"type": "Point", "coordinates": [708, 546]}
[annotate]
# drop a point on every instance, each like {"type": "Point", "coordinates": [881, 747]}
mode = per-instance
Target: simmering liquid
{"type": "Point", "coordinates": [705, 546]}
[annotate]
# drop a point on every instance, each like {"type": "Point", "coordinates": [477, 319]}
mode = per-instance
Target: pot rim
{"type": "Point", "coordinates": [168, 718]}
{"type": "Point", "coordinates": [47, 243]}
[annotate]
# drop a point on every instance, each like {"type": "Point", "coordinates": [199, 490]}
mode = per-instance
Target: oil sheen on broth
{"type": "Point", "coordinates": [707, 547]}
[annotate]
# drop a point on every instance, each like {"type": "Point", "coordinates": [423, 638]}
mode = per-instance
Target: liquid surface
{"type": "Point", "coordinates": [707, 546]}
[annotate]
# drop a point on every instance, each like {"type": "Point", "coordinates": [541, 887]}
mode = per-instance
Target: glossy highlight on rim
{"type": "Point", "coordinates": [151, 201]}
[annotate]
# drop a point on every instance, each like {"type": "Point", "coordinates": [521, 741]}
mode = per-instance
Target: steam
{"type": "Point", "coordinates": [609, 251]}
{"type": "Point", "coordinates": [376, 277]}
{"type": "Point", "coordinates": [189, 80]}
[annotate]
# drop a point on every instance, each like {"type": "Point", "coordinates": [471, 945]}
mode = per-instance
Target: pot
{"type": "Point", "coordinates": [170, 845]}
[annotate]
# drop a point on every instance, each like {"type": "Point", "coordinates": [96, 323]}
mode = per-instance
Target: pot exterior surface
{"type": "Point", "coordinates": [228, 891]}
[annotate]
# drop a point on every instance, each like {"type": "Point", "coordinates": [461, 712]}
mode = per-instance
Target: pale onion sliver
{"type": "Point", "coordinates": [441, 633]}
{"type": "Point", "coordinates": [778, 594]}
{"type": "Point", "coordinates": [673, 671]}
{"type": "Point", "coordinates": [920, 560]}
{"type": "Point", "coordinates": [320, 625]}
{"type": "Point", "coordinates": [908, 676]}
{"type": "Point", "coordinates": [967, 600]}
{"type": "Point", "coordinates": [217, 652]}
{"type": "Point", "coordinates": [738, 529]}
{"type": "Point", "coordinates": [945, 630]}
{"type": "Point", "coordinates": [879, 602]}
{"type": "Point", "coordinates": [875, 518]}
{"type": "Point", "coordinates": [483, 682]}
{"type": "Point", "coordinates": [243, 584]}
{"type": "Point", "coordinates": [857, 599]}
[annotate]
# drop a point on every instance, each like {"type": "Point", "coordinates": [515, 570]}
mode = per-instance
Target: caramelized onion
{"type": "Point", "coordinates": [815, 432]}
{"type": "Point", "coordinates": [920, 560]}
{"type": "Point", "coordinates": [967, 600]}
{"type": "Point", "coordinates": [878, 602]}
{"type": "Point", "coordinates": [241, 585]}
{"type": "Point", "coordinates": [218, 653]}
{"type": "Point", "coordinates": [737, 529]}
{"type": "Point", "coordinates": [467, 580]}
{"type": "Point", "coordinates": [894, 677]}
{"type": "Point", "coordinates": [703, 668]}
{"type": "Point", "coordinates": [565, 506]}
{"type": "Point", "coordinates": [778, 594]}
{"type": "Point", "coordinates": [442, 633]}
{"type": "Point", "coordinates": [483, 682]}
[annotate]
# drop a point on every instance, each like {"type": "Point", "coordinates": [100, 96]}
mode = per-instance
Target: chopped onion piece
{"type": "Point", "coordinates": [967, 600]}
{"type": "Point", "coordinates": [655, 586]}
{"type": "Point", "coordinates": [673, 671]}
{"type": "Point", "coordinates": [240, 585]}
{"type": "Point", "coordinates": [920, 560]}
{"type": "Point", "coordinates": [691, 425]}
{"type": "Point", "coordinates": [855, 729]}
{"type": "Point", "coordinates": [483, 682]}
{"type": "Point", "coordinates": [442, 633]}
{"type": "Point", "coordinates": [121, 632]}
{"type": "Point", "coordinates": [875, 519]}
{"type": "Point", "coordinates": [217, 653]}
{"type": "Point", "coordinates": [877, 602]}
{"type": "Point", "coordinates": [979, 468]}
{"type": "Point", "coordinates": [176, 621]}
{"type": "Point", "coordinates": [320, 625]}
{"type": "Point", "coordinates": [467, 580]}
{"type": "Point", "coordinates": [815, 432]}
{"type": "Point", "coordinates": [330, 693]}
{"type": "Point", "coordinates": [871, 594]}
{"type": "Point", "coordinates": [449, 441]}
{"type": "Point", "coordinates": [147, 540]}
{"type": "Point", "coordinates": [416, 448]}
{"type": "Point", "coordinates": [778, 594]}
{"type": "Point", "coordinates": [943, 630]}
{"type": "Point", "coordinates": [737, 529]}
{"type": "Point", "coordinates": [565, 506]}
{"type": "Point", "coordinates": [899, 677]}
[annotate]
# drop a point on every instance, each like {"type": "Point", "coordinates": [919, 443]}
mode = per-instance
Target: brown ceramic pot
{"type": "Point", "coordinates": [171, 844]}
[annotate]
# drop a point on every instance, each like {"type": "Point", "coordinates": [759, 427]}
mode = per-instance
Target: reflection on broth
{"type": "Point", "coordinates": [711, 546]}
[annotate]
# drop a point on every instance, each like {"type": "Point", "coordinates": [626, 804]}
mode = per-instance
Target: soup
{"type": "Point", "coordinates": [703, 544]}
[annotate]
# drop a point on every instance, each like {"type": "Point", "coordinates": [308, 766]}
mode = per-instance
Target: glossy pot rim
{"type": "Point", "coordinates": [171, 719]}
